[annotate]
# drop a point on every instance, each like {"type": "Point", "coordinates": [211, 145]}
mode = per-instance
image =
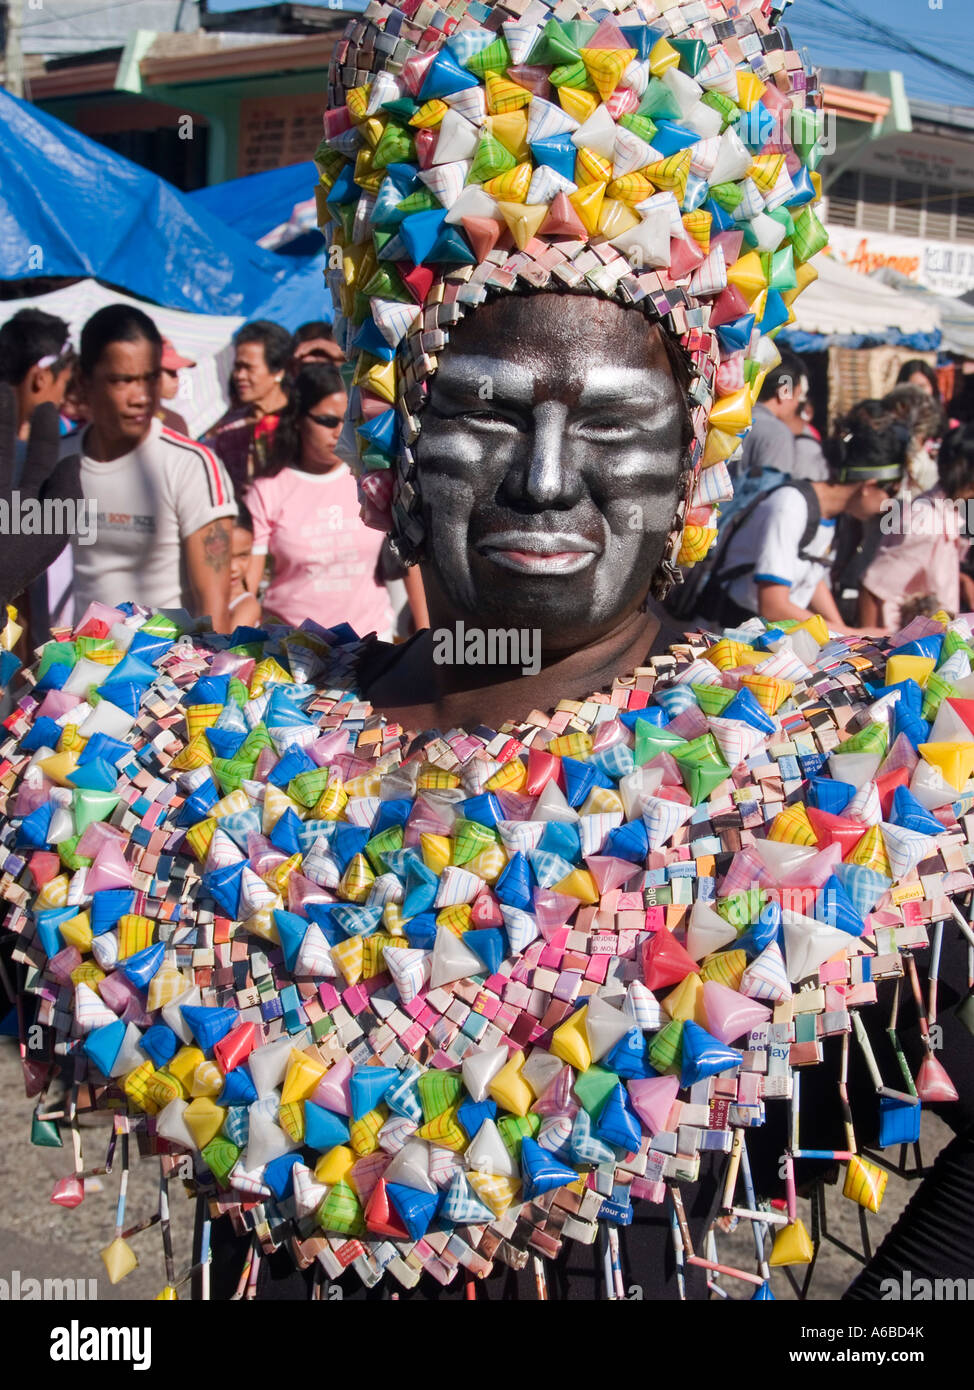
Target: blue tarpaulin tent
{"type": "Point", "coordinates": [71, 207]}
{"type": "Point", "coordinates": [255, 205]}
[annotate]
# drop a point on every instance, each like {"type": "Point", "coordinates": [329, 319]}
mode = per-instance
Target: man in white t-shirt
{"type": "Point", "coordinates": [163, 503]}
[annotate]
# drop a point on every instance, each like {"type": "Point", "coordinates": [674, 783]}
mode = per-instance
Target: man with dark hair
{"type": "Point", "coordinates": [163, 503]}
{"type": "Point", "coordinates": [315, 342]}
{"type": "Point", "coordinates": [241, 438]}
{"type": "Point", "coordinates": [776, 420]}
{"type": "Point", "coordinates": [36, 358]}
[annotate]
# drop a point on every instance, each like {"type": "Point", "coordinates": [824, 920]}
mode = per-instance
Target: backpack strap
{"type": "Point", "coordinates": [807, 490]}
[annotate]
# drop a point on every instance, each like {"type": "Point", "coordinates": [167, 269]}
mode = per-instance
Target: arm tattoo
{"type": "Point", "coordinates": [216, 546]}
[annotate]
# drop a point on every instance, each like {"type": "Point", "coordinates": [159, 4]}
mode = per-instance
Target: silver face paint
{"type": "Point", "coordinates": [549, 461]}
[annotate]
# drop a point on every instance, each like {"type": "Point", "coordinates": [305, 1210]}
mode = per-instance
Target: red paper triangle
{"type": "Point", "coordinates": [542, 768]}
{"type": "Point", "coordinates": [608, 35]}
{"type": "Point", "coordinates": [562, 219]}
{"type": "Point", "coordinates": [483, 234]}
{"type": "Point", "coordinates": [965, 708]}
{"type": "Point", "coordinates": [730, 304]}
{"type": "Point", "coordinates": [886, 785]}
{"type": "Point", "coordinates": [665, 962]}
{"type": "Point", "coordinates": [610, 872]}
{"type": "Point", "coordinates": [485, 910]}
{"type": "Point", "coordinates": [840, 830]}
{"type": "Point", "coordinates": [731, 242]}
{"type": "Point", "coordinates": [417, 280]}
{"type": "Point", "coordinates": [382, 1217]}
{"type": "Point", "coordinates": [685, 256]}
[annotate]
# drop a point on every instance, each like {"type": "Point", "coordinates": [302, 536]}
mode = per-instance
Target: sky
{"type": "Point", "coordinates": [833, 33]}
{"type": "Point", "coordinates": [842, 33]}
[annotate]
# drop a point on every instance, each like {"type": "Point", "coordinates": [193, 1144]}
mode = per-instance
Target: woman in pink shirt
{"type": "Point", "coordinates": [305, 510]}
{"type": "Point", "coordinates": [924, 543]}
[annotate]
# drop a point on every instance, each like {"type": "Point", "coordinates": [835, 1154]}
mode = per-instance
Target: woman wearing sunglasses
{"type": "Point", "coordinates": [306, 519]}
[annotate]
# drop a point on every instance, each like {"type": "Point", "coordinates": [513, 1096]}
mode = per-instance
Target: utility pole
{"type": "Point", "coordinates": [13, 58]}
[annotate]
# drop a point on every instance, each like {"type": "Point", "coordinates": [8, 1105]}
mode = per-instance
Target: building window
{"type": "Point", "coordinates": [908, 208]}
{"type": "Point", "coordinates": [965, 217]}
{"type": "Point", "coordinates": [940, 213]}
{"type": "Point", "coordinates": [875, 197]}
{"type": "Point", "coordinates": [875, 203]}
{"type": "Point", "coordinates": [844, 200]}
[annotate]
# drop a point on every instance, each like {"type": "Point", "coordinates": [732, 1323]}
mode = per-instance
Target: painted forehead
{"type": "Point", "coordinates": [466, 375]}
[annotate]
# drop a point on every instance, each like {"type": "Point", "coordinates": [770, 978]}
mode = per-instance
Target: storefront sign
{"type": "Point", "coordinates": [944, 266]}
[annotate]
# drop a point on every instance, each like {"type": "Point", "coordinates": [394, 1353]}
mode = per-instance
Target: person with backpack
{"type": "Point", "coordinates": [774, 559]}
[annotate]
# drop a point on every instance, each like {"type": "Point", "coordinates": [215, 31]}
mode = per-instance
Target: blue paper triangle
{"type": "Point", "coordinates": [416, 1208]}
{"type": "Point", "coordinates": [489, 944]}
{"type": "Point", "coordinates": [238, 1088]}
{"type": "Point", "coordinates": [323, 1129]}
{"type": "Point", "coordinates": [284, 836]}
{"type": "Point", "coordinates": [617, 1124]}
{"type": "Point", "coordinates": [513, 888]}
{"type": "Point", "coordinates": [419, 231]}
{"type": "Point", "coordinates": [444, 77]}
{"type": "Point", "coordinates": [141, 966]}
{"type": "Point", "coordinates": [208, 1025]}
{"type": "Point", "coordinates": [747, 709]}
{"type": "Point", "coordinates": [367, 1086]}
{"type": "Point", "coordinates": [159, 1043]}
{"type": "Point", "coordinates": [629, 842]}
{"type": "Point", "coordinates": [541, 1170]}
{"type": "Point", "coordinates": [908, 813]}
{"type": "Point", "coordinates": [223, 886]}
{"type": "Point", "coordinates": [125, 695]}
{"type": "Point", "coordinates": [826, 794]}
{"type": "Point", "coordinates": [292, 930]}
{"type": "Point", "coordinates": [472, 1114]}
{"type": "Point", "coordinates": [579, 780]}
{"type": "Point", "coordinates": [103, 1045]}
{"type": "Point", "coordinates": [703, 1055]}
{"type": "Point", "coordinates": [562, 838]}
{"type": "Point", "coordinates": [279, 1176]}
{"type": "Point", "coordinates": [835, 908]}
{"type": "Point", "coordinates": [485, 809]}
{"type": "Point", "coordinates": [558, 152]}
{"type": "Point", "coordinates": [629, 1057]}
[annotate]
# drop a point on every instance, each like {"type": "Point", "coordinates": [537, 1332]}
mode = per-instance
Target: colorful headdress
{"type": "Point", "coordinates": [661, 155]}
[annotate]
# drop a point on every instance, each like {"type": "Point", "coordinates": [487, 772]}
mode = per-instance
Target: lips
{"type": "Point", "coordinates": [554, 553]}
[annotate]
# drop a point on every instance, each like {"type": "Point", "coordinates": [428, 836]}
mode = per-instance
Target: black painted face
{"type": "Point", "coordinates": [549, 461]}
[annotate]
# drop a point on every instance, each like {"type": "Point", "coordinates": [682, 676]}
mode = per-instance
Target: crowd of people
{"type": "Point", "coordinates": [867, 527]}
{"type": "Point", "coordinates": [256, 521]}
{"type": "Point", "coordinates": [259, 519]}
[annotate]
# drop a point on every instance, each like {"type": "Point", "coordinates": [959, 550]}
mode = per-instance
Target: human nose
{"type": "Point", "coordinates": [543, 475]}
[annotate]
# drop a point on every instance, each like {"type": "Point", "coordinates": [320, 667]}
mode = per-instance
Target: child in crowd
{"type": "Point", "coordinates": [244, 605]}
{"type": "Point", "coordinates": [924, 542]}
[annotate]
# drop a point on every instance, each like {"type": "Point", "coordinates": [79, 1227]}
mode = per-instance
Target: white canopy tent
{"type": "Point", "coordinates": [841, 301]}
{"type": "Point", "coordinates": [956, 316]}
{"type": "Point", "coordinates": [204, 338]}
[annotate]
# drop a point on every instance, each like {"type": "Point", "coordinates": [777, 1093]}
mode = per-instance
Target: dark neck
{"type": "Point", "coordinates": [422, 693]}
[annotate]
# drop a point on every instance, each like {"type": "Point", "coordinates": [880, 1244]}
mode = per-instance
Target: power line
{"type": "Point", "coordinates": [845, 21]}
